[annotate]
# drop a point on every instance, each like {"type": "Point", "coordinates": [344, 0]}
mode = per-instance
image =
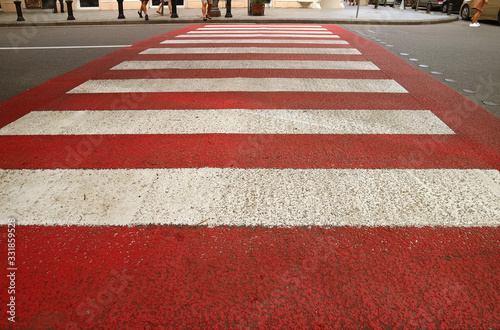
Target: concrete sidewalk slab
{"type": "Point", "coordinates": [366, 15]}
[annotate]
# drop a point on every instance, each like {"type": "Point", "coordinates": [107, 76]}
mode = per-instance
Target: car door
{"type": "Point", "coordinates": [491, 10]}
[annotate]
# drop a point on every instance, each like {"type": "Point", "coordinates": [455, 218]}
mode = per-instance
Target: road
{"type": "Point", "coordinates": [243, 176]}
{"type": "Point", "coordinates": [447, 48]}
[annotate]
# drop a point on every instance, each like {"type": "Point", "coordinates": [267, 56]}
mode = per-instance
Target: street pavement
{"type": "Point", "coordinates": [251, 176]}
{"type": "Point", "coordinates": [348, 15]}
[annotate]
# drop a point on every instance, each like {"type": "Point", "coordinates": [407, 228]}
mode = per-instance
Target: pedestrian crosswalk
{"type": "Point", "coordinates": [251, 176]}
{"type": "Point", "coordinates": [305, 61]}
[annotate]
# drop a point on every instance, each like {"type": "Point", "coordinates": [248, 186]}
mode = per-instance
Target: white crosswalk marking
{"type": "Point", "coordinates": [255, 41]}
{"type": "Point", "coordinates": [250, 50]}
{"type": "Point", "coordinates": [228, 121]}
{"type": "Point", "coordinates": [254, 197]}
{"type": "Point", "coordinates": [234, 35]}
{"type": "Point", "coordinates": [240, 85]}
{"type": "Point", "coordinates": [212, 28]}
{"type": "Point", "coordinates": [246, 64]}
{"type": "Point", "coordinates": [261, 31]}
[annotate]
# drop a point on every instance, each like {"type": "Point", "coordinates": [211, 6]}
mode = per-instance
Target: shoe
{"type": "Point", "coordinates": [146, 18]}
{"type": "Point", "coordinates": [140, 14]}
{"type": "Point", "coordinates": [209, 17]}
{"type": "Point", "coordinates": [159, 12]}
{"type": "Point", "coordinates": [474, 24]}
{"type": "Point", "coordinates": [204, 18]}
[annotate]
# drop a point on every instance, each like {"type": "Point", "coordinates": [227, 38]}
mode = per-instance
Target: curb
{"type": "Point", "coordinates": [446, 19]}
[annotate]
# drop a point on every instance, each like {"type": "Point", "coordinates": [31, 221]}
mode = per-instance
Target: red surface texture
{"type": "Point", "coordinates": [154, 277]}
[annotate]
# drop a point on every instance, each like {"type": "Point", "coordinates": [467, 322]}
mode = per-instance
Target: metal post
{"type": "Point", "coordinates": [120, 9]}
{"type": "Point", "coordinates": [61, 2]}
{"type": "Point", "coordinates": [19, 11]}
{"type": "Point", "coordinates": [448, 9]}
{"type": "Point", "coordinates": [174, 9]}
{"type": "Point", "coordinates": [55, 7]}
{"type": "Point", "coordinates": [215, 11]}
{"type": "Point", "coordinates": [357, 11]}
{"type": "Point", "coordinates": [429, 6]}
{"type": "Point", "coordinates": [69, 4]}
{"type": "Point", "coordinates": [228, 9]}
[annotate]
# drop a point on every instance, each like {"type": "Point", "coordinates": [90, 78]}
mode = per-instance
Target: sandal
{"type": "Point", "coordinates": [140, 14]}
{"type": "Point", "coordinates": [209, 17]}
{"type": "Point", "coordinates": [204, 18]}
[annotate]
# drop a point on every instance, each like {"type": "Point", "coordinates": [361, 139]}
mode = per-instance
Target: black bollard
{"type": "Point", "coordinates": [61, 2]}
{"type": "Point", "coordinates": [120, 9]}
{"type": "Point", "coordinates": [55, 7]}
{"type": "Point", "coordinates": [19, 11]}
{"type": "Point", "coordinates": [429, 7]}
{"type": "Point", "coordinates": [448, 9]}
{"type": "Point", "coordinates": [215, 11]}
{"type": "Point", "coordinates": [69, 4]}
{"type": "Point", "coordinates": [174, 9]}
{"type": "Point", "coordinates": [228, 8]}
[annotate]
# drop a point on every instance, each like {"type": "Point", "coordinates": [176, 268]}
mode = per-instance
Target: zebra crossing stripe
{"type": "Point", "coordinates": [254, 41]}
{"type": "Point", "coordinates": [227, 121]}
{"type": "Point", "coordinates": [247, 64]}
{"type": "Point", "coordinates": [239, 85]}
{"type": "Point", "coordinates": [241, 28]}
{"type": "Point", "coordinates": [250, 50]}
{"type": "Point", "coordinates": [260, 34]}
{"type": "Point", "coordinates": [253, 197]}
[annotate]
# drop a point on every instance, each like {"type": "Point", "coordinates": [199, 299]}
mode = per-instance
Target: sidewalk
{"type": "Point", "coordinates": [366, 15]}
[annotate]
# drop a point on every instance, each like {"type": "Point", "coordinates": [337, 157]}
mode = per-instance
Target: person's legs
{"type": "Point", "coordinates": [170, 6]}
{"type": "Point", "coordinates": [475, 18]}
{"type": "Point", "coordinates": [209, 8]}
{"type": "Point", "coordinates": [144, 9]}
{"type": "Point", "coordinates": [159, 7]}
{"type": "Point", "coordinates": [140, 11]}
{"type": "Point", "coordinates": [204, 10]}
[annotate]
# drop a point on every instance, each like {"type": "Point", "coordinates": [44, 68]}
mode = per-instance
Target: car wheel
{"type": "Point", "coordinates": [445, 7]}
{"type": "Point", "coordinates": [465, 13]}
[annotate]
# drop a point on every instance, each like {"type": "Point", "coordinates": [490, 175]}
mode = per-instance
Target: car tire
{"type": "Point", "coordinates": [464, 14]}
{"type": "Point", "coordinates": [445, 7]}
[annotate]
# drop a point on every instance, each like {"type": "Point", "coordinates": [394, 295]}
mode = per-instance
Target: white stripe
{"type": "Point", "coordinates": [241, 28]}
{"type": "Point", "coordinates": [227, 121]}
{"type": "Point", "coordinates": [255, 41]}
{"type": "Point", "coordinates": [262, 25]}
{"type": "Point", "coordinates": [255, 35]}
{"type": "Point", "coordinates": [259, 31]}
{"type": "Point", "coordinates": [252, 197]}
{"type": "Point", "coordinates": [250, 50]}
{"type": "Point", "coordinates": [239, 85]}
{"type": "Point", "coordinates": [63, 47]}
{"type": "Point", "coordinates": [246, 64]}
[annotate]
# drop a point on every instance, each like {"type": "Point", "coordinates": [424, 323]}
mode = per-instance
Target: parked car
{"type": "Point", "coordinates": [455, 6]}
{"type": "Point", "coordinates": [491, 10]}
{"type": "Point", "coordinates": [381, 2]}
{"type": "Point", "coordinates": [434, 4]}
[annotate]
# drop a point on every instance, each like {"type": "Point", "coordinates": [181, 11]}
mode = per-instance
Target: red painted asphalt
{"type": "Point", "coordinates": [149, 277]}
